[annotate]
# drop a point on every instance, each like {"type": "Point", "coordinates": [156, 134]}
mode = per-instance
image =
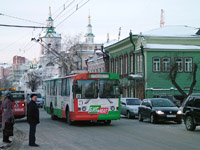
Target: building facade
{"type": "Point", "coordinates": [144, 64]}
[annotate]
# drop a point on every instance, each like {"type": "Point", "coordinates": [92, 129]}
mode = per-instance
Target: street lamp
{"type": "Point", "coordinates": [143, 66]}
{"type": "Point", "coordinates": [131, 40]}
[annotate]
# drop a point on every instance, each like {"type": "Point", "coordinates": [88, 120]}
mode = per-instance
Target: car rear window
{"type": "Point", "coordinates": [133, 101]}
{"type": "Point", "coordinates": [162, 103]}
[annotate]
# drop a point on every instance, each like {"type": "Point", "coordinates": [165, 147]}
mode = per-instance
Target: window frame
{"type": "Point", "coordinates": [131, 55]}
{"type": "Point", "coordinates": [139, 63]}
{"type": "Point", "coordinates": [112, 65]}
{"type": "Point", "coordinates": [182, 67]}
{"type": "Point", "coordinates": [116, 64]}
{"type": "Point", "coordinates": [185, 64]}
{"type": "Point", "coordinates": [168, 69]}
{"type": "Point", "coordinates": [121, 66]}
{"type": "Point", "coordinates": [125, 64]}
{"type": "Point", "coordinates": [155, 70]}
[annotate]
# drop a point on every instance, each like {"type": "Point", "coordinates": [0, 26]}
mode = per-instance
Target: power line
{"type": "Point", "coordinates": [64, 9]}
{"type": "Point", "coordinates": [77, 8]}
{"type": "Point", "coordinates": [21, 19]}
{"type": "Point", "coordinates": [19, 26]}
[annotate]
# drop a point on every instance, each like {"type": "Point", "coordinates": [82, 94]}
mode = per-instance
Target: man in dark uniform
{"type": "Point", "coordinates": [33, 119]}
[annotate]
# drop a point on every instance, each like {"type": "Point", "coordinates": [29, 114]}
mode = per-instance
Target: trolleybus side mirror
{"type": "Point", "coordinates": [74, 87]}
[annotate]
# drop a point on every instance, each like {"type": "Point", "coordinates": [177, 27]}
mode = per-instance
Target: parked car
{"type": "Point", "coordinates": [40, 100]}
{"type": "Point", "coordinates": [191, 112]}
{"type": "Point", "coordinates": [159, 109]}
{"type": "Point", "coordinates": [168, 96]}
{"type": "Point", "coordinates": [129, 107]}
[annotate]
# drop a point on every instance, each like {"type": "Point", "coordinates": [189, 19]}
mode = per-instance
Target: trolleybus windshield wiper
{"type": "Point", "coordinates": [109, 100]}
{"type": "Point", "coordinates": [87, 101]}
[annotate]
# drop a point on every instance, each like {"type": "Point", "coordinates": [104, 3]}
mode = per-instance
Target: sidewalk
{"type": "Point", "coordinates": [4, 145]}
{"type": "Point", "coordinates": [17, 140]}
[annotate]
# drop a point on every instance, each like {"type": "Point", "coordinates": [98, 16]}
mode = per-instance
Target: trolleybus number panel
{"type": "Point", "coordinates": [96, 109]}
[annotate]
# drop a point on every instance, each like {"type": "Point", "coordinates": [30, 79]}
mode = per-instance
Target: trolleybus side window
{"type": "Point", "coordinates": [109, 89]}
{"type": "Point", "coordinates": [52, 84]}
{"type": "Point", "coordinates": [47, 88]}
{"type": "Point", "coordinates": [68, 86]}
{"type": "Point", "coordinates": [55, 87]}
{"type": "Point", "coordinates": [63, 90]}
{"type": "Point", "coordinates": [65, 87]}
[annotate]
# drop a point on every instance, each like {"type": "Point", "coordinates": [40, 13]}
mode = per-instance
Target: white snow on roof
{"type": "Point", "coordinates": [179, 31]}
{"type": "Point", "coordinates": [170, 46]}
{"type": "Point", "coordinates": [85, 51]}
{"type": "Point", "coordinates": [5, 65]}
{"type": "Point", "coordinates": [110, 43]}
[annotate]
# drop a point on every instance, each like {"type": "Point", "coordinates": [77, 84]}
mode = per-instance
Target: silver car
{"type": "Point", "coordinates": [129, 107]}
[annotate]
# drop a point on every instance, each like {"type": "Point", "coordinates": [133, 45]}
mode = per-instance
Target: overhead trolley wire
{"type": "Point", "coordinates": [77, 8]}
{"type": "Point", "coordinates": [21, 19]}
{"type": "Point", "coordinates": [19, 26]}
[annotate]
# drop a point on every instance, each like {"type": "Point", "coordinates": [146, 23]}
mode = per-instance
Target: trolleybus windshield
{"type": "Point", "coordinates": [87, 88]}
{"type": "Point", "coordinates": [109, 89]}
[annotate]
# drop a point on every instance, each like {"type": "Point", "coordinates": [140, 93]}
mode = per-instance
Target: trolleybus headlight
{"type": "Point", "coordinates": [112, 108]}
{"type": "Point", "coordinates": [22, 104]}
{"type": "Point", "coordinates": [84, 108]}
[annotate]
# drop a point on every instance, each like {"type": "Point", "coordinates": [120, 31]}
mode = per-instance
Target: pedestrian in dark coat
{"type": "Point", "coordinates": [7, 117]}
{"type": "Point", "coordinates": [33, 119]}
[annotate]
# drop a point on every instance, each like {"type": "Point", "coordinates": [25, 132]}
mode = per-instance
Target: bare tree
{"type": "Point", "coordinates": [66, 59]}
{"type": "Point", "coordinates": [5, 83]}
{"type": "Point", "coordinates": [173, 74]}
{"type": "Point", "coordinates": [34, 80]}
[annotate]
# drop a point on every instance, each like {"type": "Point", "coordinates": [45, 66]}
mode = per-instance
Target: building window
{"type": "Point", "coordinates": [188, 64]}
{"type": "Point", "coordinates": [121, 65]}
{"type": "Point", "coordinates": [156, 64]}
{"type": "Point", "coordinates": [165, 64]}
{"type": "Point", "coordinates": [56, 47]}
{"type": "Point", "coordinates": [112, 65]}
{"type": "Point", "coordinates": [126, 64]}
{"type": "Point", "coordinates": [116, 65]}
{"type": "Point", "coordinates": [179, 63]}
{"type": "Point", "coordinates": [49, 47]}
{"type": "Point", "coordinates": [139, 63]}
{"type": "Point", "coordinates": [131, 63]}
{"type": "Point", "coordinates": [131, 92]}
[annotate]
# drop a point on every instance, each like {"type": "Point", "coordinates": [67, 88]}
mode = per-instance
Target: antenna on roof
{"type": "Point", "coordinates": [119, 33]}
{"type": "Point", "coordinates": [162, 19]}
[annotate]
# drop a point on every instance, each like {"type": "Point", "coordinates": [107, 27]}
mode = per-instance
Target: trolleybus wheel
{"type": "Point", "coordinates": [107, 122]}
{"type": "Point", "coordinates": [68, 117]}
{"type": "Point", "coordinates": [53, 117]}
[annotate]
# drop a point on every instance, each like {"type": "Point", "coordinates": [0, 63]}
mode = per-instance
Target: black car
{"type": "Point", "coordinates": [191, 112]}
{"type": "Point", "coordinates": [159, 109]}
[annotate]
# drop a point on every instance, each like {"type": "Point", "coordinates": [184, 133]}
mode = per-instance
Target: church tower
{"type": "Point", "coordinates": [50, 42]}
{"type": "Point", "coordinates": [50, 39]}
{"type": "Point", "coordinates": [89, 36]}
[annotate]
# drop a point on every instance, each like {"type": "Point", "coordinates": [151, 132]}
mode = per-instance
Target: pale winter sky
{"type": "Point", "coordinates": [107, 16]}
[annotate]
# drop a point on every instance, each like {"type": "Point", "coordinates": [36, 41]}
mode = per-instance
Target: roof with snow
{"type": "Point", "coordinates": [171, 46]}
{"type": "Point", "coordinates": [173, 31]}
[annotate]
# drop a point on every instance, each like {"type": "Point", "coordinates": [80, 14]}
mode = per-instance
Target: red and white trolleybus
{"type": "Point", "coordinates": [86, 96]}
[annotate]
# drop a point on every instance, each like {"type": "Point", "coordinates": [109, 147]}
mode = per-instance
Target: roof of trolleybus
{"type": "Point", "coordinates": [95, 75]}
